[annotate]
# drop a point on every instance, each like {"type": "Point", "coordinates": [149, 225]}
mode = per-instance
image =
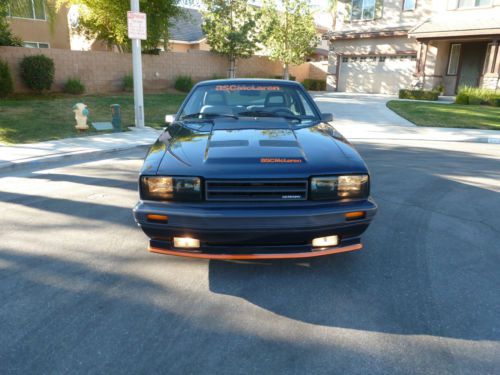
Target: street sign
{"type": "Point", "coordinates": [136, 22]}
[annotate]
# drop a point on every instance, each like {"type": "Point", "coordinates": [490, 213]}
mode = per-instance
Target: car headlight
{"type": "Point", "coordinates": [340, 187]}
{"type": "Point", "coordinates": [164, 188]}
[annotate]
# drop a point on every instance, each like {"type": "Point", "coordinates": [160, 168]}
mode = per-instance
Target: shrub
{"type": "Point", "coordinates": [290, 77]}
{"type": "Point", "coordinates": [128, 83]}
{"type": "Point", "coordinates": [475, 100]}
{"type": "Point", "coordinates": [418, 94]}
{"type": "Point", "coordinates": [494, 101]}
{"type": "Point", "coordinates": [439, 88]}
{"type": "Point", "coordinates": [37, 72]}
{"type": "Point", "coordinates": [474, 95]}
{"type": "Point", "coordinates": [462, 98]}
{"type": "Point", "coordinates": [6, 83]}
{"type": "Point", "coordinates": [314, 84]}
{"type": "Point", "coordinates": [74, 86]}
{"type": "Point", "coordinates": [183, 83]}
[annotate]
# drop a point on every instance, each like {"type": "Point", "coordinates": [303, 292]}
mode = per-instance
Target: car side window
{"type": "Point", "coordinates": [307, 109]}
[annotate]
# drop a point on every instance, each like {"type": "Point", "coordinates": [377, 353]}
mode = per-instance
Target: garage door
{"type": "Point", "coordinates": [376, 74]}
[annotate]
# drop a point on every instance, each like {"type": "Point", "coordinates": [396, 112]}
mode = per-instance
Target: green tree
{"type": "Point", "coordinates": [6, 36]}
{"type": "Point", "coordinates": [290, 32]}
{"type": "Point", "coordinates": [106, 20]}
{"type": "Point", "coordinates": [231, 29]}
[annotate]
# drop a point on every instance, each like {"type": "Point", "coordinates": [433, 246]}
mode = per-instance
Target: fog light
{"type": "Point", "coordinates": [325, 241]}
{"type": "Point", "coordinates": [186, 242]}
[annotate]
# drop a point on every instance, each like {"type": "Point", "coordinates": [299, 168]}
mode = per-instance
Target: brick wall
{"type": "Point", "coordinates": [104, 71]}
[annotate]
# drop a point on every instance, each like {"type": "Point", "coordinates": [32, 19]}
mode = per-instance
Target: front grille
{"type": "Point", "coordinates": [256, 190]}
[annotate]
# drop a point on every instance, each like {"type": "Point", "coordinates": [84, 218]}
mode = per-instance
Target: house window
{"type": "Point", "coordinates": [363, 10]}
{"type": "Point", "coordinates": [454, 59]}
{"type": "Point", "coordinates": [409, 4]}
{"type": "Point", "coordinates": [32, 9]}
{"type": "Point", "coordinates": [470, 3]}
{"type": "Point", "coordinates": [382, 59]}
{"type": "Point", "coordinates": [345, 59]}
{"type": "Point", "coordinates": [36, 45]}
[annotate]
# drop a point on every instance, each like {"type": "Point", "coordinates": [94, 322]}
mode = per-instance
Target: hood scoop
{"type": "Point", "coordinates": [278, 143]}
{"type": "Point", "coordinates": [260, 123]}
{"type": "Point", "coordinates": [229, 143]}
{"type": "Point", "coordinates": [250, 141]}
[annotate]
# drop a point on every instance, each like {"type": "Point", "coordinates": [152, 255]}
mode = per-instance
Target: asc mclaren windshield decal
{"type": "Point", "coordinates": [246, 88]}
{"type": "Point", "coordinates": [281, 160]}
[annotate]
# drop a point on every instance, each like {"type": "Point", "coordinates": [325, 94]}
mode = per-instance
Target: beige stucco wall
{"type": "Point", "coordinates": [392, 16]}
{"type": "Point", "coordinates": [104, 71]}
{"type": "Point", "coordinates": [179, 47]}
{"type": "Point", "coordinates": [364, 46]}
{"type": "Point", "coordinates": [39, 30]}
{"type": "Point", "coordinates": [186, 47]}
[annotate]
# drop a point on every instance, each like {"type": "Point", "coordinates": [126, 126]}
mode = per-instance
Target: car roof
{"type": "Point", "coordinates": [236, 81]}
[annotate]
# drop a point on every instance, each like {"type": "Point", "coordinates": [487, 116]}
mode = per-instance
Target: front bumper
{"type": "Point", "coordinates": [268, 231]}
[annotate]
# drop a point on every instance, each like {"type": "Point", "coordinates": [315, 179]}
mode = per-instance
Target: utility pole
{"type": "Point", "coordinates": [137, 70]}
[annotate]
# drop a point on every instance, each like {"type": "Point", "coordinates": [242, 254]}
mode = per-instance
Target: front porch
{"type": "Point", "coordinates": [454, 53]}
{"type": "Point", "coordinates": [456, 62]}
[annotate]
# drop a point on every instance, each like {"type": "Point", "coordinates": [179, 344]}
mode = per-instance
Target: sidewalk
{"type": "Point", "coordinates": [365, 117]}
{"type": "Point", "coordinates": [358, 118]}
{"type": "Point", "coordinates": [37, 153]}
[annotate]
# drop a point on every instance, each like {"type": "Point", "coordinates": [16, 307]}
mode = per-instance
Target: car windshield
{"type": "Point", "coordinates": [249, 100]}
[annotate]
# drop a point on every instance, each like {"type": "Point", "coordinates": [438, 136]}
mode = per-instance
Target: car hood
{"type": "Point", "coordinates": [251, 148]}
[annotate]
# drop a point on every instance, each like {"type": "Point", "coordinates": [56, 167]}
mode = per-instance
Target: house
{"type": "Point", "coordinates": [186, 33]}
{"type": "Point", "coordinates": [380, 46]}
{"type": "Point", "coordinates": [29, 21]}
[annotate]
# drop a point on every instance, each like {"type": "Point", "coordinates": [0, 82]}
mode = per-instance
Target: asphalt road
{"type": "Point", "coordinates": [80, 294]}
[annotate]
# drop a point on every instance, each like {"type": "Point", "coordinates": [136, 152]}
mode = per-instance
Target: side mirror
{"type": "Point", "coordinates": [169, 119]}
{"type": "Point", "coordinates": [326, 117]}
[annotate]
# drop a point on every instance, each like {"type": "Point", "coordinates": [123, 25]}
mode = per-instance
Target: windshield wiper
{"type": "Point", "coordinates": [270, 114]}
{"type": "Point", "coordinates": [202, 115]}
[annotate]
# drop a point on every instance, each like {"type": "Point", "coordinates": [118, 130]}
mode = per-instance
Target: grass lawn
{"type": "Point", "coordinates": [41, 118]}
{"type": "Point", "coordinates": [448, 115]}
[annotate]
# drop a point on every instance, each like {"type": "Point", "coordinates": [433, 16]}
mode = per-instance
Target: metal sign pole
{"type": "Point", "coordinates": [137, 72]}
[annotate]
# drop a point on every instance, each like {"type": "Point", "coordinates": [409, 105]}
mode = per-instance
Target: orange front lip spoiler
{"type": "Point", "coordinates": [258, 256]}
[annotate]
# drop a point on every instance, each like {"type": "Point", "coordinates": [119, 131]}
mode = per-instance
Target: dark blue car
{"type": "Point", "coordinates": [251, 169]}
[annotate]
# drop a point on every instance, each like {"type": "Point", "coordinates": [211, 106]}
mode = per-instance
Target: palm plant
{"type": "Point", "coordinates": [333, 8]}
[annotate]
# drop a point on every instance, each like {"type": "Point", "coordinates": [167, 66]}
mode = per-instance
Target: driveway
{"type": "Point", "coordinates": [365, 117]}
{"type": "Point", "coordinates": [80, 294]}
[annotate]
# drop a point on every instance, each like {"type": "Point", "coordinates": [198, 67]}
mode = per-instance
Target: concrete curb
{"type": "Point", "coordinates": [52, 159]}
{"type": "Point", "coordinates": [46, 160]}
{"type": "Point", "coordinates": [492, 141]}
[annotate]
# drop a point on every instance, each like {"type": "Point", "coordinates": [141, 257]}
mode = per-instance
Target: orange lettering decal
{"type": "Point", "coordinates": [246, 88]}
{"type": "Point", "coordinates": [281, 160]}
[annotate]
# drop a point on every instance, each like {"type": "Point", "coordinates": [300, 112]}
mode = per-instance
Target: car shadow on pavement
{"type": "Point", "coordinates": [430, 262]}
{"type": "Point", "coordinates": [59, 314]}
